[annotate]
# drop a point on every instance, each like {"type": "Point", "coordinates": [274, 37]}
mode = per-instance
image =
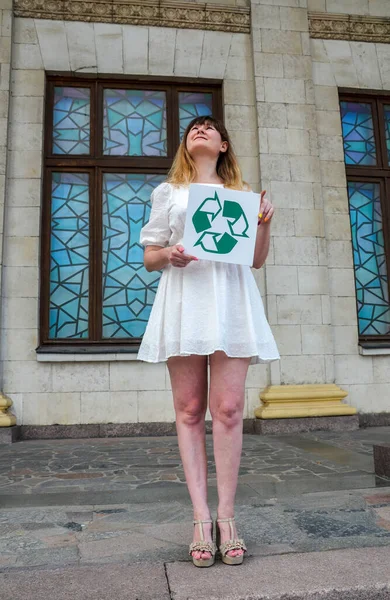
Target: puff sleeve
{"type": "Point", "coordinates": [157, 232]}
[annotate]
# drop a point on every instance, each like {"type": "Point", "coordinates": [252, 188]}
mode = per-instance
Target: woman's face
{"type": "Point", "coordinates": [205, 139]}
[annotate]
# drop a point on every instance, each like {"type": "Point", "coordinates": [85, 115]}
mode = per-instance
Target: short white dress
{"type": "Point", "coordinates": [205, 306]}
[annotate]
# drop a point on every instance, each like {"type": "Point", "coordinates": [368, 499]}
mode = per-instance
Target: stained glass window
{"type": "Point", "coordinates": [128, 289]}
{"type": "Point", "coordinates": [69, 256]}
{"type": "Point", "coordinates": [106, 151]}
{"type": "Point", "coordinates": [135, 123]}
{"type": "Point", "coordinates": [71, 120]}
{"type": "Point", "coordinates": [387, 130]}
{"type": "Point", "coordinates": [191, 105]}
{"type": "Point", "coordinates": [358, 133]}
{"type": "Point", "coordinates": [369, 258]}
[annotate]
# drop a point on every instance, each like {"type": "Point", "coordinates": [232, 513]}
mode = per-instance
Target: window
{"type": "Point", "coordinates": [366, 134]}
{"type": "Point", "coordinates": [108, 144]}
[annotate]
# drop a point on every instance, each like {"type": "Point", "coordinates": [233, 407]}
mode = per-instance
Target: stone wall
{"type": "Point", "coordinates": [222, 2]}
{"type": "Point", "coordinates": [373, 8]}
{"type": "Point", "coordinates": [110, 390]}
{"type": "Point", "coordinates": [296, 271]}
{"type": "Point", "coordinates": [354, 65]}
{"type": "Point", "coordinates": [309, 273]}
{"type": "Point", "coordinates": [281, 107]}
{"type": "Point", "coordinates": [5, 74]}
{"type": "Point", "coordinates": [231, 16]}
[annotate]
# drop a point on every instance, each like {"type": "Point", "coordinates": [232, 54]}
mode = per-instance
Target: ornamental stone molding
{"type": "Point", "coordinates": [353, 28]}
{"type": "Point", "coordinates": [299, 401]}
{"type": "Point", "coordinates": [162, 13]}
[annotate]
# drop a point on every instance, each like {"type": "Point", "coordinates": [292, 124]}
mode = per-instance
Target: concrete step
{"type": "Point", "coordinates": [348, 574]}
{"type": "Point", "coordinates": [353, 574]}
{"type": "Point", "coordinates": [124, 581]}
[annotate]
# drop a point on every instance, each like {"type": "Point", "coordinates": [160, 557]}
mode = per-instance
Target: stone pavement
{"type": "Point", "coordinates": [97, 518]}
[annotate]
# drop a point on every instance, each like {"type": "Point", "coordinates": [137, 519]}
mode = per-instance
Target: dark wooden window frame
{"type": "Point", "coordinates": [96, 164]}
{"type": "Point", "coordinates": [379, 173]}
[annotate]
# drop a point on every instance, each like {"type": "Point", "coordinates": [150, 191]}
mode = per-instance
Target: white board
{"type": "Point", "coordinates": [221, 224]}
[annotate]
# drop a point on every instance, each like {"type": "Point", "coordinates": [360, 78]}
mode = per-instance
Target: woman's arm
{"type": "Point", "coordinates": [156, 258]}
{"type": "Point", "coordinates": [263, 235]}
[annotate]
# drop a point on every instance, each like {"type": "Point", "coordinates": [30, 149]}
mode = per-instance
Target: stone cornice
{"type": "Point", "coordinates": [162, 13]}
{"type": "Point", "coordinates": [349, 27]}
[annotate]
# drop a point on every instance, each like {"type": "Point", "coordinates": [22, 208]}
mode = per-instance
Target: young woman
{"type": "Point", "coordinates": [206, 312]}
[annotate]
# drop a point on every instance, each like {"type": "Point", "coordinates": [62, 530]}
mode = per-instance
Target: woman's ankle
{"type": "Point", "coordinates": [225, 512]}
{"type": "Point", "coordinates": [202, 515]}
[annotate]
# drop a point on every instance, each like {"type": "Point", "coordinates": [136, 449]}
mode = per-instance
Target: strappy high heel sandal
{"type": "Point", "coordinates": [203, 546]}
{"type": "Point", "coordinates": [232, 544]}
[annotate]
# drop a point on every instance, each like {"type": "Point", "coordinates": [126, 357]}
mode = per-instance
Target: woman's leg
{"type": "Point", "coordinates": [227, 398]}
{"type": "Point", "coordinates": [189, 385]}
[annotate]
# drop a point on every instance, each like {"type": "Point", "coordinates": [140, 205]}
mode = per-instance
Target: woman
{"type": "Point", "coordinates": [204, 312]}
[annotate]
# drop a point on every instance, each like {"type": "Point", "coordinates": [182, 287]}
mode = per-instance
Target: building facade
{"type": "Point", "coordinates": [94, 97]}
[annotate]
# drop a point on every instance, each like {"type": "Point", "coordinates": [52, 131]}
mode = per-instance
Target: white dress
{"type": "Point", "coordinates": [205, 306]}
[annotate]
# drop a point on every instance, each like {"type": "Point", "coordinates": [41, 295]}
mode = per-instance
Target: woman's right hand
{"type": "Point", "coordinates": [177, 258]}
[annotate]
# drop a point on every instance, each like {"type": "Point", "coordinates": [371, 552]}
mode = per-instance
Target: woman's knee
{"type": "Point", "coordinates": [190, 411]}
{"type": "Point", "coordinates": [228, 411]}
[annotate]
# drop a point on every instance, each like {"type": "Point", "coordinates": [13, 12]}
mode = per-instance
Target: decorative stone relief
{"type": "Point", "coordinates": [349, 27]}
{"type": "Point", "coordinates": [162, 13]}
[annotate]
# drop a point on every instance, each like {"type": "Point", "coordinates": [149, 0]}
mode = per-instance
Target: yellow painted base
{"type": "Point", "coordinates": [292, 401]}
{"type": "Point", "coordinates": [6, 419]}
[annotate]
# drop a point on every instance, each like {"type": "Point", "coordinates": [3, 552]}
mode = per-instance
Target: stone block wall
{"type": "Point", "coordinates": [296, 271]}
{"type": "Point", "coordinates": [372, 8]}
{"type": "Point", "coordinates": [281, 108]}
{"type": "Point", "coordinates": [361, 65]}
{"type": "Point", "coordinates": [5, 74]}
{"type": "Point", "coordinates": [238, 3]}
{"type": "Point", "coordinates": [109, 390]}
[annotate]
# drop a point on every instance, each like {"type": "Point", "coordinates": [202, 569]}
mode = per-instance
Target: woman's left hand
{"type": "Point", "coordinates": [266, 209]}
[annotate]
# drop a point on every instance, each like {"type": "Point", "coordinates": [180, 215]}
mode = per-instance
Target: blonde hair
{"type": "Point", "coordinates": [183, 170]}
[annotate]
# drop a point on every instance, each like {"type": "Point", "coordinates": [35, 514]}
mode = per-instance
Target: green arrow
{"type": "Point", "coordinates": [206, 213]}
{"type": "Point", "coordinates": [233, 210]}
{"type": "Point", "coordinates": [222, 246]}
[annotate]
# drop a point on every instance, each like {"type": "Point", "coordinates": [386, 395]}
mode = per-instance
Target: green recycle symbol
{"type": "Point", "coordinates": [217, 242]}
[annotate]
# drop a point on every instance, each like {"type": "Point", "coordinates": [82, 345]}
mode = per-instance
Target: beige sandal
{"type": "Point", "coordinates": [203, 546]}
{"type": "Point", "coordinates": [231, 544]}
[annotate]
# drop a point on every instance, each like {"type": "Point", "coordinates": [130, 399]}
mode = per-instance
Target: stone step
{"type": "Point", "coordinates": [9, 435]}
{"type": "Point", "coordinates": [382, 459]}
{"type": "Point", "coordinates": [303, 424]}
{"type": "Point", "coordinates": [123, 581]}
{"type": "Point", "coordinates": [348, 574]}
